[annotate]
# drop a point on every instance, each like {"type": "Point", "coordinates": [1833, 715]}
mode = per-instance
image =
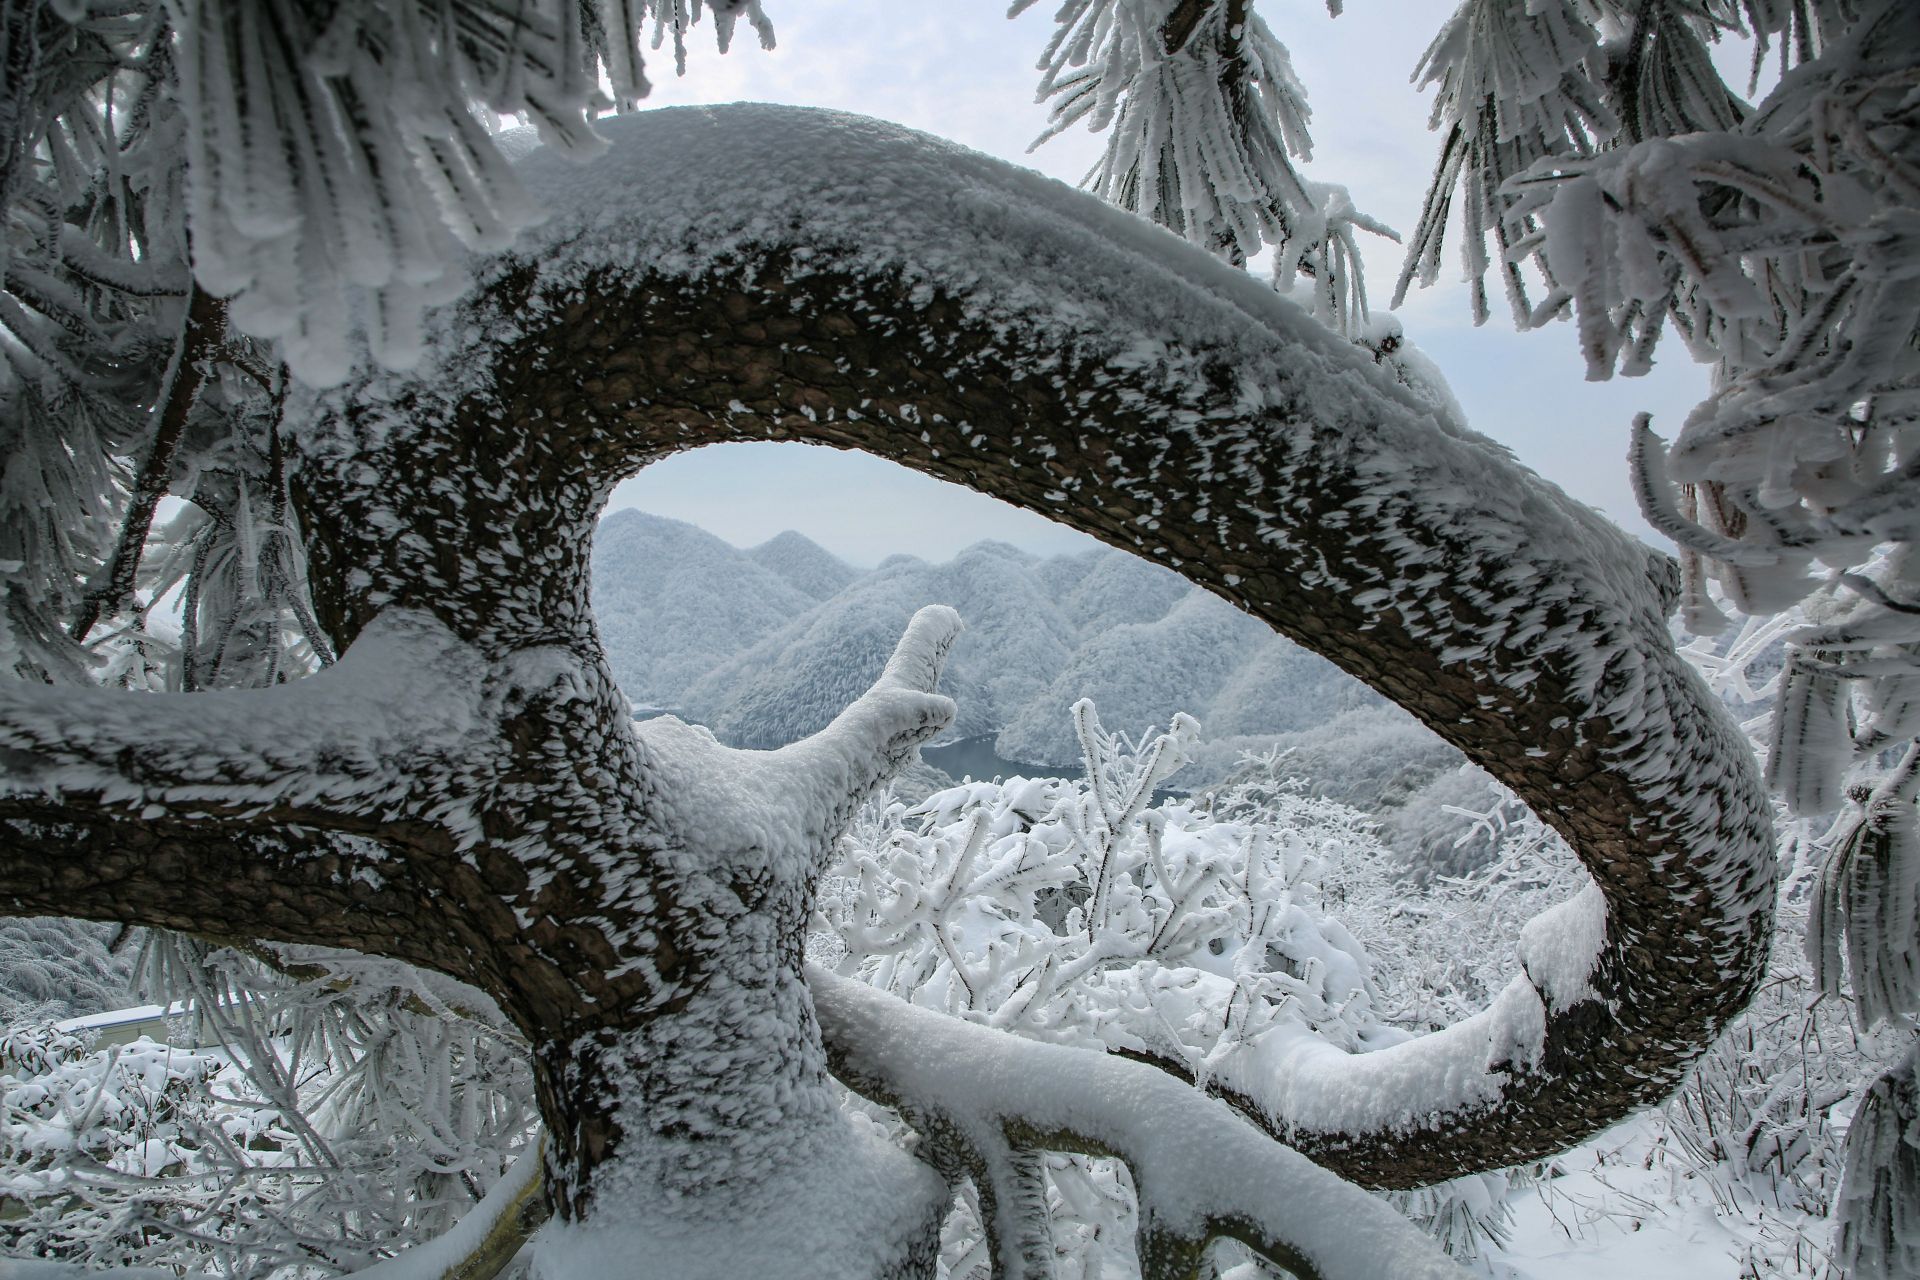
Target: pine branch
{"type": "Point", "coordinates": [362, 743]}
{"type": "Point", "coordinates": [260, 879]}
{"type": "Point", "coordinates": [186, 374]}
{"type": "Point", "coordinates": [1526, 631]}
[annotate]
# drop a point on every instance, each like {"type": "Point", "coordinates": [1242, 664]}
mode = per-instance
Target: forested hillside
{"type": "Point", "coordinates": [764, 646]}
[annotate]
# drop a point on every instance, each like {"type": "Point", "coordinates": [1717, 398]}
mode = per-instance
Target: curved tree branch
{"type": "Point", "coordinates": [778, 274]}
{"type": "Point", "coordinates": [874, 289]}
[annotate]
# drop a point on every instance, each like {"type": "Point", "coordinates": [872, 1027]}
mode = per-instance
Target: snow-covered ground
{"type": "Point", "coordinates": [1618, 1210]}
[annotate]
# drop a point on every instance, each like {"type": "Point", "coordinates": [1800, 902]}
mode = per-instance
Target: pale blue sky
{"type": "Point", "coordinates": [965, 72]}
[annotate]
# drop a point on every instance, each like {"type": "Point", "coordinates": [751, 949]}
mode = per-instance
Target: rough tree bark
{"type": "Point", "coordinates": [464, 789]}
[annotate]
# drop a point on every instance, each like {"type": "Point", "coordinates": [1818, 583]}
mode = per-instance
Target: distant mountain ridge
{"type": "Point", "coordinates": [767, 645]}
{"type": "Point", "coordinates": [671, 600]}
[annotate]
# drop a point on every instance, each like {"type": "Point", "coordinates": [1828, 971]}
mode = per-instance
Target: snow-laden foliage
{"type": "Point", "coordinates": [1204, 120]}
{"type": "Point", "coordinates": [1594, 140]}
{"type": "Point", "coordinates": [1079, 912]}
{"type": "Point", "coordinates": [336, 166]}
{"type": "Point", "coordinates": [1765, 1116]}
{"type": "Point", "coordinates": [1204, 111]}
{"type": "Point", "coordinates": [1073, 909]}
{"type": "Point", "coordinates": [1880, 1232]}
{"type": "Point", "coordinates": [338, 1109]}
{"type": "Point", "coordinates": [378, 167]}
{"type": "Point", "coordinates": [86, 1137]}
{"type": "Point", "coordinates": [52, 968]}
{"type": "Point", "coordinates": [1866, 905]}
{"type": "Point", "coordinates": [92, 264]}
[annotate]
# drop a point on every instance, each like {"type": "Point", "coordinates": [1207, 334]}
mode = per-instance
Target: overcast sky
{"type": "Point", "coordinates": [963, 71]}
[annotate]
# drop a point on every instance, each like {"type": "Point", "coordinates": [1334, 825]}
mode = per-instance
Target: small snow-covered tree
{"type": "Point", "coordinates": [400, 493]}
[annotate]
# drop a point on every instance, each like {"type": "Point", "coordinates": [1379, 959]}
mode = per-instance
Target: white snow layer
{"type": "Point", "coordinates": [1195, 1159]}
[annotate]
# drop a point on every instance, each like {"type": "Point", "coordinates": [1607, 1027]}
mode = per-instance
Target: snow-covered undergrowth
{"type": "Point", "coordinates": [342, 1110]}
{"type": "Point", "coordinates": [1072, 911]}
{"type": "Point", "coordinates": [1225, 924]}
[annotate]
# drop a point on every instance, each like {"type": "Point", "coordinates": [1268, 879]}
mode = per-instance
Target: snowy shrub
{"type": "Point", "coordinates": [97, 1148]}
{"type": "Point", "coordinates": [1078, 912]}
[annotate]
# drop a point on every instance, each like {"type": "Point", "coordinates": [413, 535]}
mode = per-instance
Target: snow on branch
{"type": "Point", "coordinates": [1206, 118]}
{"type": "Point", "coordinates": [351, 743]}
{"type": "Point", "coordinates": [1203, 1172]}
{"type": "Point", "coordinates": [487, 1236]}
{"type": "Point", "coordinates": [795, 801]}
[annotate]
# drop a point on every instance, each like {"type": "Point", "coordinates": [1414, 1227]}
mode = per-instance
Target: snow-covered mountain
{"type": "Point", "coordinates": [672, 601]}
{"type": "Point", "coordinates": [765, 646]}
{"type": "Point", "coordinates": [798, 678]}
{"type": "Point", "coordinates": [803, 564]}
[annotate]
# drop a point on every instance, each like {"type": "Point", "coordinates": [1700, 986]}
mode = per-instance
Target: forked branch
{"type": "Point", "coordinates": [812, 787]}
{"type": "Point", "coordinates": [1202, 1171]}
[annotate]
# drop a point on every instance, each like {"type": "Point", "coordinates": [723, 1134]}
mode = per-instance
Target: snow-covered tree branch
{"type": "Point", "coordinates": [1203, 1171]}
{"type": "Point", "coordinates": [380, 737]}
{"type": "Point", "coordinates": [464, 789]}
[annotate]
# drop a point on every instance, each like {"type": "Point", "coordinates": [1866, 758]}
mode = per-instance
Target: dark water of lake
{"type": "Point", "coordinates": [975, 758]}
